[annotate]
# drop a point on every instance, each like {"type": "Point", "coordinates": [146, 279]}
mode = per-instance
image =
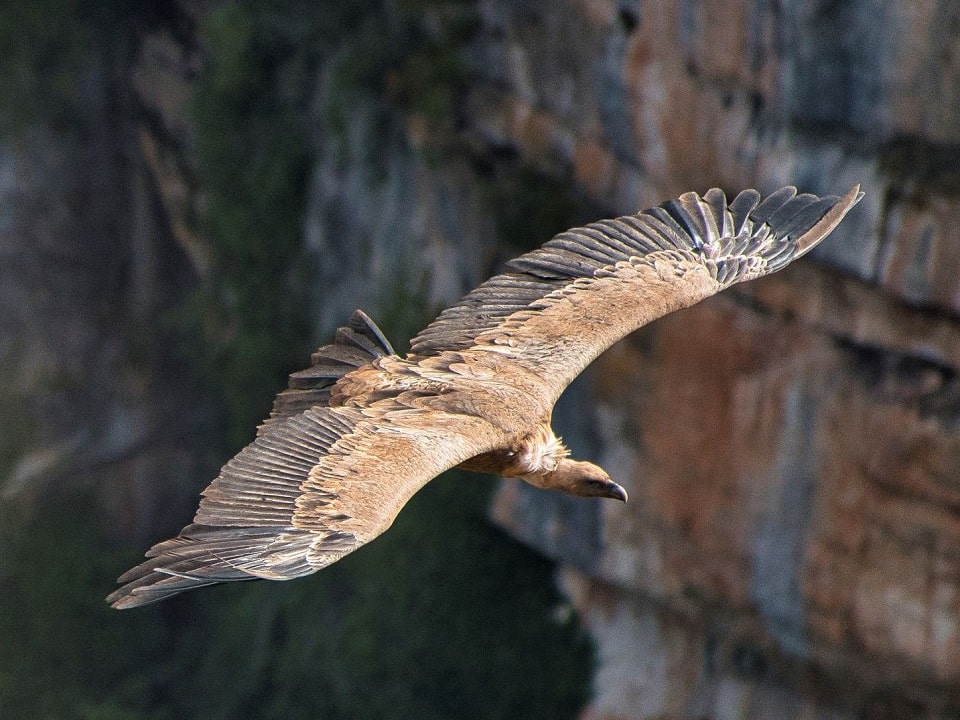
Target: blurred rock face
{"type": "Point", "coordinates": [93, 394]}
{"type": "Point", "coordinates": [791, 448]}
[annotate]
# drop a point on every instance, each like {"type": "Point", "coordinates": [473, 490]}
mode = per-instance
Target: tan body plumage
{"type": "Point", "coordinates": [357, 434]}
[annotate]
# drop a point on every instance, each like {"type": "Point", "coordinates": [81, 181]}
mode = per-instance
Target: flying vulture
{"type": "Point", "coordinates": [358, 433]}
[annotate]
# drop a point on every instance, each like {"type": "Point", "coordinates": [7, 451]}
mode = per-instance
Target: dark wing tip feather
{"type": "Point", "coordinates": [741, 207]}
{"type": "Point", "coordinates": [773, 202]}
{"type": "Point", "coordinates": [782, 227]}
{"type": "Point", "coordinates": [361, 324]}
{"type": "Point", "coordinates": [839, 207]}
{"type": "Point", "coordinates": [360, 333]}
{"type": "Point", "coordinates": [357, 343]}
{"type": "Point", "coordinates": [698, 218]}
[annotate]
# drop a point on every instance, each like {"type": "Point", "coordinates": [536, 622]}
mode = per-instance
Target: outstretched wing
{"type": "Point", "coordinates": [559, 307]}
{"type": "Point", "coordinates": [313, 488]}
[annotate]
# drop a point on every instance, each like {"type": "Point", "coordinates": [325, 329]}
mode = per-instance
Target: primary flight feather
{"type": "Point", "coordinates": [353, 437]}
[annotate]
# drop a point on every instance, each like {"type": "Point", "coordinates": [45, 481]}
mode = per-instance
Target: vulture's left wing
{"type": "Point", "coordinates": [557, 308]}
{"type": "Point", "coordinates": [311, 489]}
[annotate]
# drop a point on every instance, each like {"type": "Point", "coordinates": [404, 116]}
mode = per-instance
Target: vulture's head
{"type": "Point", "coordinates": [584, 479]}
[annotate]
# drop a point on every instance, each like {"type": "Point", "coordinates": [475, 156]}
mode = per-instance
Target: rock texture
{"type": "Point", "coordinates": [93, 391]}
{"type": "Point", "coordinates": [791, 448]}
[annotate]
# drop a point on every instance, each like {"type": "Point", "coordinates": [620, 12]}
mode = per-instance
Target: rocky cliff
{"type": "Point", "coordinates": [791, 448]}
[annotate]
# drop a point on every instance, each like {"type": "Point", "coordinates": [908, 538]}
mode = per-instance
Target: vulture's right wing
{"type": "Point", "coordinates": [557, 308]}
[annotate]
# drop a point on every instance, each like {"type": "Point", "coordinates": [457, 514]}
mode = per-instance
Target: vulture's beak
{"type": "Point", "coordinates": [616, 492]}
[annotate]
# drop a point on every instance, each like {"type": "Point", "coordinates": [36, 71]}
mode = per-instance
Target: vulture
{"type": "Point", "coordinates": [353, 437]}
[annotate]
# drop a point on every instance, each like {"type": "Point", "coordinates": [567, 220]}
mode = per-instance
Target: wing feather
{"type": "Point", "coordinates": [741, 208]}
{"type": "Point", "coordinates": [718, 207]}
{"type": "Point", "coordinates": [694, 218]}
{"type": "Point", "coordinates": [590, 286]}
{"type": "Point", "coordinates": [314, 488]}
{"type": "Point", "coordinates": [355, 345]}
{"type": "Point", "coordinates": [764, 212]}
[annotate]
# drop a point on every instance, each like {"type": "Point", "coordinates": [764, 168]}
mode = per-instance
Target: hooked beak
{"type": "Point", "coordinates": [616, 492]}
